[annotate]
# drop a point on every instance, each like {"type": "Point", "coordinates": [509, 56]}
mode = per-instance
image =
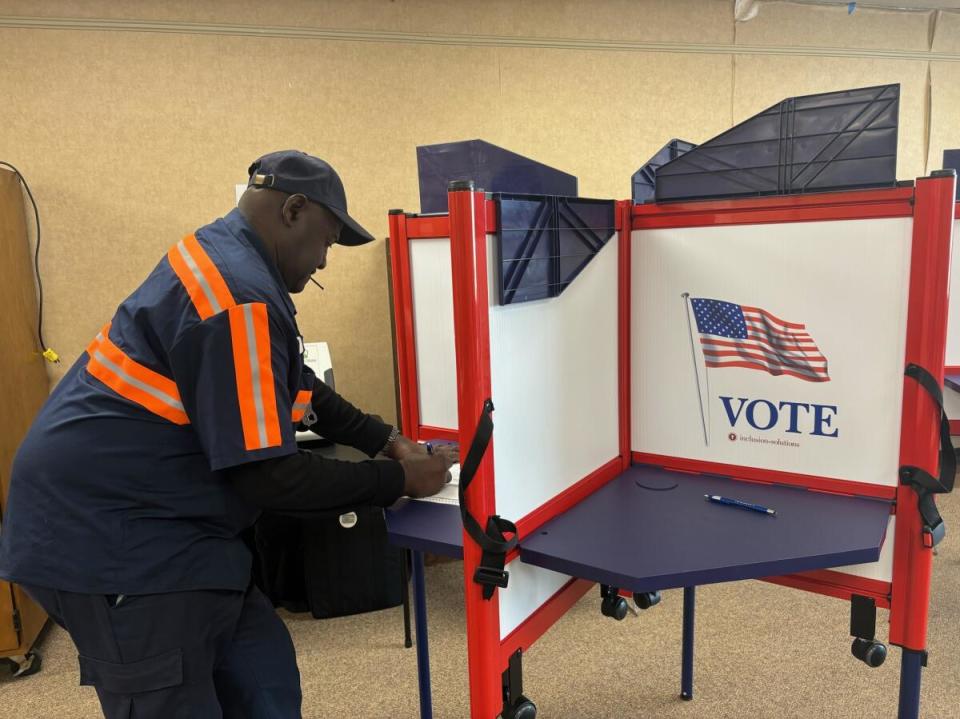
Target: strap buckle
{"type": "Point", "coordinates": [491, 577]}
{"type": "Point", "coordinates": [494, 546]}
{"type": "Point", "coordinates": [932, 536]}
{"type": "Point", "coordinates": [922, 482]}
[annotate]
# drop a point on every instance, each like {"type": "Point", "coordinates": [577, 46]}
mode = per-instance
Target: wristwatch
{"type": "Point", "coordinates": [394, 433]}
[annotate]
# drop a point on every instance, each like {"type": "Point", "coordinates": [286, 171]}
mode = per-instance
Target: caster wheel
{"type": "Point", "coordinates": [614, 606]}
{"type": "Point", "coordinates": [645, 600]}
{"type": "Point", "coordinates": [869, 651]}
{"type": "Point", "coordinates": [24, 665]}
{"type": "Point", "coordinates": [526, 709]}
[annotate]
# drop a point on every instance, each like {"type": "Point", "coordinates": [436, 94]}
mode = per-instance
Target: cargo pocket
{"type": "Point", "coordinates": [160, 672]}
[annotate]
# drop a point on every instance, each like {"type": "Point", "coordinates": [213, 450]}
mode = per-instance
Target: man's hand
{"type": "Point", "coordinates": [426, 474]}
{"type": "Point", "coordinates": [403, 448]}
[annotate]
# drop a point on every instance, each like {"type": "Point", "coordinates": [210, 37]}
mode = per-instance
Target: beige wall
{"type": "Point", "coordinates": [133, 137]}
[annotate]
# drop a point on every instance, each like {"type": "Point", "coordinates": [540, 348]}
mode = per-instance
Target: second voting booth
{"type": "Point", "coordinates": [636, 360]}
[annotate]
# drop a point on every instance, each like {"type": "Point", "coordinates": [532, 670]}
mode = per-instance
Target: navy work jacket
{"type": "Point", "coordinates": [119, 485]}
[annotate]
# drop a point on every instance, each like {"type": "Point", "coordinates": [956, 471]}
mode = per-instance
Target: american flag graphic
{"type": "Point", "coordinates": [734, 335]}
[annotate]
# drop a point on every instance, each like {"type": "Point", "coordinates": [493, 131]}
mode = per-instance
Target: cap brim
{"type": "Point", "coordinates": [352, 233]}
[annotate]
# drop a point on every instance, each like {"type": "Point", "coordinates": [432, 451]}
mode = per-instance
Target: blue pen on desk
{"type": "Point", "coordinates": [717, 499]}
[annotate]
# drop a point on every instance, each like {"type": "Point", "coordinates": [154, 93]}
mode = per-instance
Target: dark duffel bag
{"type": "Point", "coordinates": [330, 566]}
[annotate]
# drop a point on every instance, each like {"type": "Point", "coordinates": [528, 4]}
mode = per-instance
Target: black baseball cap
{"type": "Point", "coordinates": [296, 172]}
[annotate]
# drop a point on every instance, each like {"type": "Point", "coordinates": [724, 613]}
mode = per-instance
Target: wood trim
{"type": "Point", "coordinates": [9, 636]}
{"type": "Point", "coordinates": [24, 384]}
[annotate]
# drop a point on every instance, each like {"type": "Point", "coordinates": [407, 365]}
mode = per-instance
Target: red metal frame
{"type": "Point", "coordinates": [837, 584]}
{"type": "Point", "coordinates": [624, 293]}
{"type": "Point", "coordinates": [428, 226]}
{"type": "Point", "coordinates": [762, 210]}
{"type": "Point", "coordinates": [403, 323]}
{"type": "Point", "coordinates": [403, 229]}
{"type": "Point", "coordinates": [468, 245]}
{"type": "Point", "coordinates": [919, 434]}
{"type": "Point", "coordinates": [766, 476]}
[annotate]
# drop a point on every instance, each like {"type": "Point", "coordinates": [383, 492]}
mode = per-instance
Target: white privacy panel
{"type": "Point", "coordinates": [882, 569]}
{"type": "Point", "coordinates": [807, 378]}
{"type": "Point", "coordinates": [528, 589]}
{"type": "Point", "coordinates": [432, 287]}
{"type": "Point", "coordinates": [953, 317]}
{"type": "Point", "coordinates": [553, 366]}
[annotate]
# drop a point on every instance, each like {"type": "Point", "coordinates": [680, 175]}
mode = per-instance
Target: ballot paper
{"type": "Point", "coordinates": [450, 493]}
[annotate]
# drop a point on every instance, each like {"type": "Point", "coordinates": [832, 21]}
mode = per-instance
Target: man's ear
{"type": "Point", "coordinates": [292, 207]}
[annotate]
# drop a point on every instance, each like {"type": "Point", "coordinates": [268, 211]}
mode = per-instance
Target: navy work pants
{"type": "Point", "coordinates": [208, 654]}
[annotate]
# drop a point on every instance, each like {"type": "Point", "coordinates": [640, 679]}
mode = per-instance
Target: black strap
{"type": "Point", "coordinates": [924, 483]}
{"type": "Point", "coordinates": [492, 542]}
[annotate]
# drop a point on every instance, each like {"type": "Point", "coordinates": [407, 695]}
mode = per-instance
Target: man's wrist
{"type": "Point", "coordinates": [394, 434]}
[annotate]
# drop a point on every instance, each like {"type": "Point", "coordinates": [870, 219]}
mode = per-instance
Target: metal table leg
{"type": "Point", "coordinates": [405, 594]}
{"type": "Point", "coordinates": [911, 664]}
{"type": "Point", "coordinates": [686, 669]}
{"type": "Point", "coordinates": [423, 652]}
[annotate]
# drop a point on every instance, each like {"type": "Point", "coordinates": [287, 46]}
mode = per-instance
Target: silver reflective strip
{"type": "Point", "coordinates": [255, 374]}
{"type": "Point", "coordinates": [198, 276]}
{"type": "Point", "coordinates": [301, 405]}
{"type": "Point", "coordinates": [152, 391]}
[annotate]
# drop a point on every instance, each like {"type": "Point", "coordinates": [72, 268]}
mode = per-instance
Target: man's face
{"type": "Point", "coordinates": [310, 231]}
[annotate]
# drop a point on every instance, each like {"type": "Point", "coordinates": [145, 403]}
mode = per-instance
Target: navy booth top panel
{"type": "Point", "coordinates": [952, 381]}
{"type": "Point", "coordinates": [426, 527]}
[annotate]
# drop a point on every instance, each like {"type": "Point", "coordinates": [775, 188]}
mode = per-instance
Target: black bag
{"type": "Point", "coordinates": [330, 566]}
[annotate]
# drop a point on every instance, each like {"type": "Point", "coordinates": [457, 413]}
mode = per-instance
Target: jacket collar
{"type": "Point", "coordinates": [241, 229]}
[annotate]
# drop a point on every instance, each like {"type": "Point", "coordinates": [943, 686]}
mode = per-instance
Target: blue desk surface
{"type": "Point", "coordinates": [952, 381]}
{"type": "Point", "coordinates": [649, 537]}
{"type": "Point", "coordinates": [426, 527]}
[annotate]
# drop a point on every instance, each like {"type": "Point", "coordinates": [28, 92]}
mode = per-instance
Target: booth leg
{"type": "Point", "coordinates": [405, 594]}
{"type": "Point", "coordinates": [911, 664]}
{"type": "Point", "coordinates": [686, 667]}
{"type": "Point", "coordinates": [423, 651]}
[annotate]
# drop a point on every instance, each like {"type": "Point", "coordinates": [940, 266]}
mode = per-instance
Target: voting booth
{"type": "Point", "coordinates": [640, 364]}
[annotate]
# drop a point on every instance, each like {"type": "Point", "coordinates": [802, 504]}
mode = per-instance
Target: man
{"type": "Point", "coordinates": [165, 440]}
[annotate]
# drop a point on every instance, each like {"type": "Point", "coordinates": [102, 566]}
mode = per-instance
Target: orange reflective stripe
{"type": "Point", "coordinates": [250, 336]}
{"type": "Point", "coordinates": [301, 404]}
{"type": "Point", "coordinates": [133, 381]}
{"type": "Point", "coordinates": [200, 277]}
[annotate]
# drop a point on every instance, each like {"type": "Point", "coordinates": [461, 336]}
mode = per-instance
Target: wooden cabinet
{"type": "Point", "coordinates": [24, 386]}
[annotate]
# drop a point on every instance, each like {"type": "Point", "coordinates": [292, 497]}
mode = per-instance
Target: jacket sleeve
{"type": "Point", "coordinates": [233, 374]}
{"type": "Point", "coordinates": [341, 422]}
{"type": "Point", "coordinates": [304, 484]}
